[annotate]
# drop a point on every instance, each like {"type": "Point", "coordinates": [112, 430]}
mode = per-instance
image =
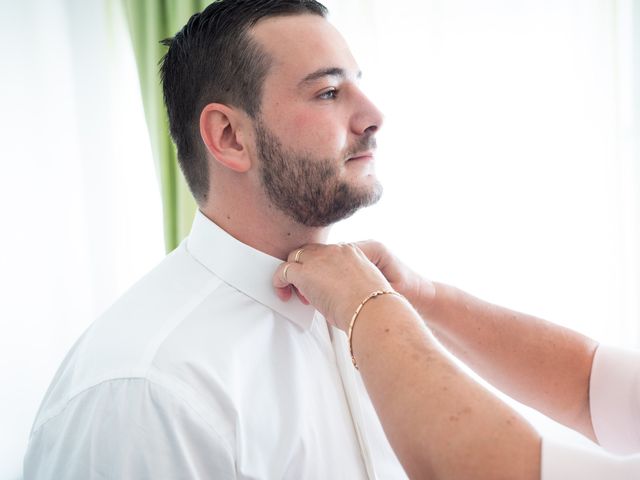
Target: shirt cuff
{"type": "Point", "coordinates": [615, 399]}
{"type": "Point", "coordinates": [560, 462]}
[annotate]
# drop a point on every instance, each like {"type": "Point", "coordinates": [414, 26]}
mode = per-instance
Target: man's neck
{"type": "Point", "coordinates": [267, 230]}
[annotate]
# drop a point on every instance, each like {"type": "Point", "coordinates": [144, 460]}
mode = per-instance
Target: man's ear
{"type": "Point", "coordinates": [222, 130]}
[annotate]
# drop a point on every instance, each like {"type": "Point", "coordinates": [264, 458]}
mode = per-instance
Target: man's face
{"type": "Point", "coordinates": [315, 134]}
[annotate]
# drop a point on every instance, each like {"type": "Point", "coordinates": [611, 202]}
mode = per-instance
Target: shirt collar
{"type": "Point", "coordinates": [244, 268]}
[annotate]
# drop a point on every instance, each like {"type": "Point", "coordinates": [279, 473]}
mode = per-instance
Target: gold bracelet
{"type": "Point", "coordinates": [355, 316]}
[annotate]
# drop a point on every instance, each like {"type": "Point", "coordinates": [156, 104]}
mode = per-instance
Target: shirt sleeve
{"type": "Point", "coordinates": [562, 462]}
{"type": "Point", "coordinates": [615, 399]}
{"type": "Point", "coordinates": [127, 429]}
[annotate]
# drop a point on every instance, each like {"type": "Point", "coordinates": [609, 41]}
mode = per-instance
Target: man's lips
{"type": "Point", "coordinates": [369, 155]}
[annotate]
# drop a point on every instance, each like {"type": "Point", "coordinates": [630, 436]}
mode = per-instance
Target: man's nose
{"type": "Point", "coordinates": [367, 119]}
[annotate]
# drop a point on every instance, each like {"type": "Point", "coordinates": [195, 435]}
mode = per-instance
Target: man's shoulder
{"type": "Point", "coordinates": [173, 281]}
{"type": "Point", "coordinates": [151, 309]}
{"type": "Point", "coordinates": [149, 330]}
{"type": "Point", "coordinates": [167, 312]}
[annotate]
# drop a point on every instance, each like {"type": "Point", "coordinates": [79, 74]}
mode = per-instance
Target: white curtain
{"type": "Point", "coordinates": [509, 157]}
{"type": "Point", "coordinates": [79, 201]}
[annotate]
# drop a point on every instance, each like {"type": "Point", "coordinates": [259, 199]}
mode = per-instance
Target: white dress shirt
{"type": "Point", "coordinates": [200, 372]}
{"type": "Point", "coordinates": [615, 414]}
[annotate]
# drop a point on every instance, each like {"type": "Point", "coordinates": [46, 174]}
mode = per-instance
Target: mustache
{"type": "Point", "coordinates": [363, 144]}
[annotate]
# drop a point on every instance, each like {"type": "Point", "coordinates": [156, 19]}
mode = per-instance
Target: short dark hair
{"type": "Point", "coordinates": [213, 59]}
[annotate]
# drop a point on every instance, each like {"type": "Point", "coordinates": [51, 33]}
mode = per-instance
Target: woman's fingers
{"type": "Point", "coordinates": [302, 298]}
{"type": "Point", "coordinates": [373, 250]}
{"type": "Point", "coordinates": [297, 255]}
{"type": "Point", "coordinates": [281, 282]}
{"type": "Point", "coordinates": [333, 278]}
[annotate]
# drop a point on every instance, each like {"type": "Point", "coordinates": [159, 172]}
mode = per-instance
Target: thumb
{"type": "Point", "coordinates": [375, 251]}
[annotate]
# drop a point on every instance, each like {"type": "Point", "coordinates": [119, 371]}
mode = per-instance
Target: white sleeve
{"type": "Point", "coordinates": [127, 429]}
{"type": "Point", "coordinates": [563, 462]}
{"type": "Point", "coordinates": [615, 399]}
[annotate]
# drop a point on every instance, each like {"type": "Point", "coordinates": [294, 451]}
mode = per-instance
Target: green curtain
{"type": "Point", "coordinates": [151, 21]}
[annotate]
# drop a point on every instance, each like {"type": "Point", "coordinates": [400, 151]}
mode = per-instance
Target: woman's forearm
{"type": "Point", "coordinates": [541, 364]}
{"type": "Point", "coordinates": [441, 422]}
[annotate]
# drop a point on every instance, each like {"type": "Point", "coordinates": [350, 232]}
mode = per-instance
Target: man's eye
{"type": "Point", "coordinates": [329, 94]}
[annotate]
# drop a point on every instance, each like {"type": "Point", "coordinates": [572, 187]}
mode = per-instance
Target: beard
{"type": "Point", "coordinates": [309, 189]}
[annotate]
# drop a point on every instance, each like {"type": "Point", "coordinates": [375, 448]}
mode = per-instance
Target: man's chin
{"type": "Point", "coordinates": [372, 193]}
{"type": "Point", "coordinates": [365, 198]}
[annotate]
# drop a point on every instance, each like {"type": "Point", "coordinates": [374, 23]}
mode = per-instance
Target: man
{"type": "Point", "coordinates": [200, 371]}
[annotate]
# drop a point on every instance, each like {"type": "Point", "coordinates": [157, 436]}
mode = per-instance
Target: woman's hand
{"type": "Point", "coordinates": [333, 278]}
{"type": "Point", "coordinates": [419, 291]}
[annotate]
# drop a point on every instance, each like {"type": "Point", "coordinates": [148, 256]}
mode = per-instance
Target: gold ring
{"type": "Point", "coordinates": [296, 258]}
{"type": "Point", "coordinates": [284, 272]}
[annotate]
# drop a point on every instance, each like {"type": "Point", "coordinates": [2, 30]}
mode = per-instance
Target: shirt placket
{"type": "Point", "coordinates": [349, 383]}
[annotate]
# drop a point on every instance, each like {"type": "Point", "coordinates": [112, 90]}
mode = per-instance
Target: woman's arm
{"type": "Point", "coordinates": [440, 422]}
{"type": "Point", "coordinates": [540, 364]}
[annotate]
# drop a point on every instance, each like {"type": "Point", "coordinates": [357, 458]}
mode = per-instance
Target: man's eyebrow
{"type": "Point", "coordinates": [326, 72]}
